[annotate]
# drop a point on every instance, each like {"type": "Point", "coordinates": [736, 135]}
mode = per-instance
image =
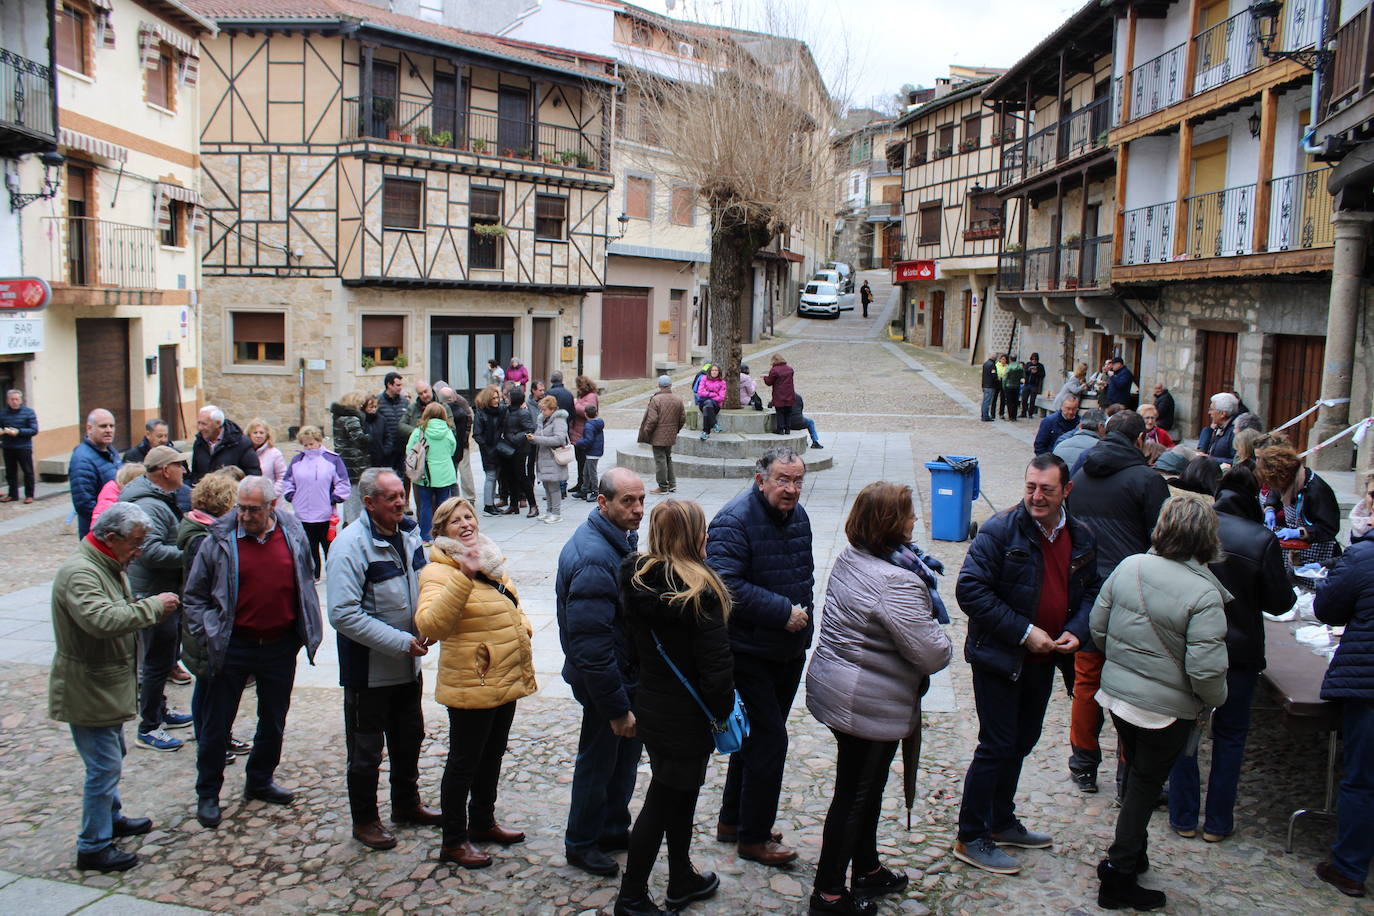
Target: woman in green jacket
{"type": "Point", "coordinates": [1161, 622]}
{"type": "Point", "coordinates": [437, 483]}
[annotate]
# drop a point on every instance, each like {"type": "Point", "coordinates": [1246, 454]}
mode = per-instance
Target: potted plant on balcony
{"type": "Point", "coordinates": [943, 151]}
{"type": "Point", "coordinates": [567, 157]}
{"type": "Point", "coordinates": [401, 361]}
{"type": "Point", "coordinates": [479, 146]}
{"type": "Point", "coordinates": [425, 136]}
{"type": "Point", "coordinates": [490, 230]}
{"type": "Point", "coordinates": [968, 145]}
{"type": "Point", "coordinates": [443, 138]}
{"type": "Point", "coordinates": [1072, 239]}
{"type": "Point", "coordinates": [368, 361]}
{"type": "Point", "coordinates": [584, 161]}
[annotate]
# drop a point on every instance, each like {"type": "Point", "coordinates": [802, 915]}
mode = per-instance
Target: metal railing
{"type": "Point", "coordinates": [1301, 24]}
{"type": "Point", "coordinates": [1096, 261]}
{"type": "Point", "coordinates": [1086, 129]}
{"type": "Point", "coordinates": [26, 88]}
{"type": "Point", "coordinates": [97, 252]}
{"type": "Point", "coordinates": [1349, 60]}
{"type": "Point", "coordinates": [1300, 211]}
{"type": "Point", "coordinates": [1039, 269]}
{"type": "Point", "coordinates": [1220, 224]}
{"type": "Point", "coordinates": [426, 124]}
{"type": "Point", "coordinates": [884, 210]}
{"type": "Point", "coordinates": [1068, 266]}
{"type": "Point", "coordinates": [1080, 132]}
{"type": "Point", "coordinates": [1013, 163]}
{"type": "Point", "coordinates": [1158, 83]}
{"type": "Point", "coordinates": [1149, 234]}
{"type": "Point", "coordinates": [1042, 150]}
{"type": "Point", "coordinates": [1010, 271]}
{"type": "Point", "coordinates": [1226, 51]}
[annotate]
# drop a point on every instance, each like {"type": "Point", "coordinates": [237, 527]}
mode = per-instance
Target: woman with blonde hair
{"type": "Point", "coordinates": [486, 664]}
{"type": "Point", "coordinates": [269, 456]}
{"type": "Point", "coordinates": [109, 494]}
{"type": "Point", "coordinates": [436, 484]}
{"type": "Point", "coordinates": [1075, 384]}
{"type": "Point", "coordinates": [880, 641]}
{"type": "Point", "coordinates": [315, 482]}
{"type": "Point", "coordinates": [1161, 623]}
{"type": "Point", "coordinates": [675, 609]}
{"type": "Point", "coordinates": [551, 433]}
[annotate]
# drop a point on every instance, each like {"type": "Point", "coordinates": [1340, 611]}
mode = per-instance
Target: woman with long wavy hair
{"type": "Point", "coordinates": [675, 606]}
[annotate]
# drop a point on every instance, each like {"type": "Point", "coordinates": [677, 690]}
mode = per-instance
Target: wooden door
{"type": "Point", "coordinates": [1218, 371]}
{"type": "Point", "coordinates": [102, 373]}
{"type": "Point", "coordinates": [625, 334]}
{"type": "Point", "coordinates": [541, 348]}
{"type": "Point", "coordinates": [1209, 167]}
{"type": "Point", "coordinates": [1296, 370]}
{"type": "Point", "coordinates": [386, 92]}
{"type": "Point", "coordinates": [513, 109]}
{"type": "Point", "coordinates": [169, 389]}
{"type": "Point", "coordinates": [446, 114]}
{"type": "Point", "coordinates": [892, 245]}
{"type": "Point", "coordinates": [966, 335]}
{"type": "Point", "coordinates": [937, 318]}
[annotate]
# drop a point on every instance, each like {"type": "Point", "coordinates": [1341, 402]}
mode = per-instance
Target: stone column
{"type": "Point", "coordinates": [1347, 287]}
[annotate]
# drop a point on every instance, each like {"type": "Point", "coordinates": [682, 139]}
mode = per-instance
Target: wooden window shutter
{"type": "Point", "coordinates": [381, 331]}
{"type": "Point", "coordinates": [402, 203]}
{"type": "Point", "coordinates": [259, 327]}
{"type": "Point", "coordinates": [485, 205]}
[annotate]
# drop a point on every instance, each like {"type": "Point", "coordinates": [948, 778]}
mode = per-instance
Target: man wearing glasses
{"type": "Point", "coordinates": [760, 545]}
{"type": "Point", "coordinates": [251, 602]}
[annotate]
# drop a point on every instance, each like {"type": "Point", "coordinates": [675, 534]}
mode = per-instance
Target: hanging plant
{"type": "Point", "coordinates": [490, 230]}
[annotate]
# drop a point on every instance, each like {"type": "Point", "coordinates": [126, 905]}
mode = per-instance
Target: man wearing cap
{"type": "Point", "coordinates": [663, 419]}
{"type": "Point", "coordinates": [155, 571]}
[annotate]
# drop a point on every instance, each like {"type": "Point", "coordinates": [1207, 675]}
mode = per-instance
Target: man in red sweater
{"type": "Point", "coordinates": [251, 602]}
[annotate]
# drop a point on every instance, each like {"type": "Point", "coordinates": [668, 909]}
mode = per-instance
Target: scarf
{"type": "Point", "coordinates": [910, 557]}
{"type": "Point", "coordinates": [492, 562]}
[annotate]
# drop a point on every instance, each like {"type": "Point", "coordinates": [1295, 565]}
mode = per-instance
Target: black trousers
{"type": "Point", "coordinates": [318, 535]}
{"type": "Point", "coordinates": [273, 665]}
{"type": "Point", "coordinates": [754, 780]}
{"type": "Point", "coordinates": [1150, 755]}
{"type": "Point", "coordinates": [518, 486]}
{"type": "Point", "coordinates": [851, 825]}
{"type": "Point", "coordinates": [783, 419]}
{"type": "Point", "coordinates": [580, 452]}
{"type": "Point", "coordinates": [476, 746]}
{"type": "Point", "coordinates": [667, 812]}
{"type": "Point", "coordinates": [377, 718]}
{"type": "Point", "coordinates": [160, 644]}
{"type": "Point", "coordinates": [16, 460]}
{"type": "Point", "coordinates": [1011, 399]}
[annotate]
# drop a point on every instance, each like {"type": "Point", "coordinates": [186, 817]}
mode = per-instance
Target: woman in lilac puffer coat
{"type": "Point", "coordinates": [315, 481]}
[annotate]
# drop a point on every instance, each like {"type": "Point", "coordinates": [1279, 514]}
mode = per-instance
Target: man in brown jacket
{"type": "Point", "coordinates": [663, 419]}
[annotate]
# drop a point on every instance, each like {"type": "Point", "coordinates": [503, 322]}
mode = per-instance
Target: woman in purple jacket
{"type": "Point", "coordinates": [315, 481]}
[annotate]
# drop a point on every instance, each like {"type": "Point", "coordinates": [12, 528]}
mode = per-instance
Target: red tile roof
{"type": "Point", "coordinates": [229, 12]}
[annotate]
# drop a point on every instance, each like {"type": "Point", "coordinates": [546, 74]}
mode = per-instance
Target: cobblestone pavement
{"type": "Point", "coordinates": [884, 408]}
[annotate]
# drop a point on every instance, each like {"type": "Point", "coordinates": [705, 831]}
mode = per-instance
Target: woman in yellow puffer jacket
{"type": "Point", "coordinates": [486, 664]}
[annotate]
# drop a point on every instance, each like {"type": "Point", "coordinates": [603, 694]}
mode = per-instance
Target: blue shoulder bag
{"type": "Point", "coordinates": [729, 733]}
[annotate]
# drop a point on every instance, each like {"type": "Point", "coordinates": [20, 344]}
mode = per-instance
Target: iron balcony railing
{"type": "Point", "coordinates": [98, 252]}
{"type": "Point", "coordinates": [1039, 268]}
{"type": "Point", "coordinates": [1010, 271]}
{"type": "Point", "coordinates": [1080, 132]}
{"type": "Point", "coordinates": [1096, 261]}
{"type": "Point", "coordinates": [1220, 224]}
{"type": "Point", "coordinates": [1149, 234]}
{"type": "Point", "coordinates": [1226, 51]}
{"type": "Point", "coordinates": [1300, 211]}
{"type": "Point", "coordinates": [1013, 164]}
{"type": "Point", "coordinates": [1158, 83]}
{"type": "Point", "coordinates": [426, 124]}
{"type": "Point", "coordinates": [1080, 264]}
{"type": "Point", "coordinates": [26, 91]}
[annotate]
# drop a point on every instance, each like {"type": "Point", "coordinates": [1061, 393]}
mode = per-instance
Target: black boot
{"type": "Point", "coordinates": [641, 905]}
{"type": "Point", "coordinates": [1120, 891]}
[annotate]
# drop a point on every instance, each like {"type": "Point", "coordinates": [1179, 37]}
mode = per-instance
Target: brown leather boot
{"type": "Point", "coordinates": [725, 833]}
{"type": "Point", "coordinates": [418, 814]}
{"type": "Point", "coordinates": [497, 834]}
{"type": "Point", "coordinates": [464, 854]}
{"type": "Point", "coordinates": [770, 853]}
{"type": "Point", "coordinates": [374, 835]}
{"type": "Point", "coordinates": [533, 513]}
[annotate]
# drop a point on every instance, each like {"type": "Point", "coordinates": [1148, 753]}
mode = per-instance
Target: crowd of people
{"type": "Point", "coordinates": [1135, 569]}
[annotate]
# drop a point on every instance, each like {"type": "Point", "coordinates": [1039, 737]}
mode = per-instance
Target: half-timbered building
{"type": "Point", "coordinates": [952, 223]}
{"type": "Point", "coordinates": [386, 192]}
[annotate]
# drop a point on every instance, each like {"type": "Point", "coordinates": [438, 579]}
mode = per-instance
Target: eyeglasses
{"type": "Point", "coordinates": [242, 508]}
{"type": "Point", "coordinates": [787, 481]}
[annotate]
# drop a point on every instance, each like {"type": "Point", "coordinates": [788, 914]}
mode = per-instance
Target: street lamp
{"type": "Point", "coordinates": [52, 180]}
{"type": "Point", "coordinates": [1265, 15]}
{"type": "Point", "coordinates": [624, 221]}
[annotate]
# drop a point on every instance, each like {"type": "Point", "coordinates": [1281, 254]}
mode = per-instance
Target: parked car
{"type": "Point", "coordinates": [820, 297]}
{"type": "Point", "coordinates": [846, 274]}
{"type": "Point", "coordinates": [828, 276]}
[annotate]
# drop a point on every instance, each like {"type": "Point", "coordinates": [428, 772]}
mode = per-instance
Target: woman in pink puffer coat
{"type": "Point", "coordinates": [710, 397]}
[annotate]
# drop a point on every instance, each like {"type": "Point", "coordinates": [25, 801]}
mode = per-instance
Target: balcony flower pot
{"type": "Point", "coordinates": [407, 137]}
{"type": "Point", "coordinates": [393, 134]}
{"type": "Point", "coordinates": [1071, 283]}
{"type": "Point", "coordinates": [943, 151]}
{"type": "Point", "coordinates": [425, 136]}
{"type": "Point", "coordinates": [479, 146]}
{"type": "Point", "coordinates": [443, 138]}
{"type": "Point", "coordinates": [490, 230]}
{"type": "Point", "coordinates": [401, 361]}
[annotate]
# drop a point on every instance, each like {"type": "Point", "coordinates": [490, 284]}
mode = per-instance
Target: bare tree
{"type": "Point", "coordinates": [747, 124]}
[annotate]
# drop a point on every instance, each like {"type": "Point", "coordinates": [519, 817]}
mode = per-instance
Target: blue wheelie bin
{"type": "Point", "coordinates": [953, 488]}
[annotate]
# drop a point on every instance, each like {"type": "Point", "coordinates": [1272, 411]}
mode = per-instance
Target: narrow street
{"type": "Point", "coordinates": [883, 409]}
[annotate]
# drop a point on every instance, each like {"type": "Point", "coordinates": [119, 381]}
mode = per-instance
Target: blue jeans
{"type": "Point", "coordinates": [427, 500]}
{"type": "Point", "coordinates": [603, 783]}
{"type": "Point", "coordinates": [989, 395]}
{"type": "Point", "coordinates": [1010, 717]}
{"type": "Point", "coordinates": [102, 749]}
{"type": "Point", "coordinates": [811, 428]}
{"type": "Point", "coordinates": [1230, 727]}
{"type": "Point", "coordinates": [1354, 845]}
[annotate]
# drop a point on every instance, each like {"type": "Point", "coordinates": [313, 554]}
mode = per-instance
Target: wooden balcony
{"type": "Point", "coordinates": [1082, 132]}
{"type": "Point", "coordinates": [1072, 265]}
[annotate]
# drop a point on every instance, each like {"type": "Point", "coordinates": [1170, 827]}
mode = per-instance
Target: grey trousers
{"type": "Point", "coordinates": [663, 467]}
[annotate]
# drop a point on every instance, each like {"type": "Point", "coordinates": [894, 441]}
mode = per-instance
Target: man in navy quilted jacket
{"type": "Point", "coordinates": [760, 545]}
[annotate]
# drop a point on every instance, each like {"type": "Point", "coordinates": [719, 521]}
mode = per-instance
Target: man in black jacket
{"type": "Point", "coordinates": [154, 434]}
{"type": "Point", "coordinates": [1027, 585]}
{"type": "Point", "coordinates": [1164, 403]}
{"type": "Point", "coordinates": [1251, 568]}
{"type": "Point", "coordinates": [392, 404]}
{"type": "Point", "coordinates": [1118, 496]}
{"type": "Point", "coordinates": [1064, 420]}
{"type": "Point", "coordinates": [991, 384]}
{"type": "Point", "coordinates": [220, 443]}
{"type": "Point", "coordinates": [562, 395]}
{"type": "Point", "coordinates": [759, 543]}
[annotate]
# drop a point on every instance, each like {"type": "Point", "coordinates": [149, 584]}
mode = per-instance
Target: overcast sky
{"type": "Point", "coordinates": [877, 45]}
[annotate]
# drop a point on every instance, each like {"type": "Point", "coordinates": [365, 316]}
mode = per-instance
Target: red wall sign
{"type": "Point", "coordinates": [24, 294]}
{"type": "Point", "coordinates": [913, 271]}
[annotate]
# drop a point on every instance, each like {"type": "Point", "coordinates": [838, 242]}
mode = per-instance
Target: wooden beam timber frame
{"type": "Point", "coordinates": [1128, 65]}
{"type": "Point", "coordinates": [1185, 178]}
{"type": "Point", "coordinates": [1123, 161]}
{"type": "Point", "coordinates": [1269, 106]}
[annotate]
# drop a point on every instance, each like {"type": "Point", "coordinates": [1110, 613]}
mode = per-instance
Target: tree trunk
{"type": "Point", "coordinates": [733, 244]}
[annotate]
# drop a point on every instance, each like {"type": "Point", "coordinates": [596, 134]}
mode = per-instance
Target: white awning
{"type": "Point", "coordinates": [96, 147]}
{"type": "Point", "coordinates": [177, 192]}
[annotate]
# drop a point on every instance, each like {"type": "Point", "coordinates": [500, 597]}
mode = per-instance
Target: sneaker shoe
{"type": "Point", "coordinates": [552, 519]}
{"type": "Point", "coordinates": [817, 445]}
{"type": "Point", "coordinates": [1018, 835]}
{"type": "Point", "coordinates": [983, 853]}
{"type": "Point", "coordinates": [705, 436]}
{"type": "Point", "coordinates": [159, 740]}
{"type": "Point", "coordinates": [180, 675]}
{"type": "Point", "coordinates": [238, 747]}
{"type": "Point", "coordinates": [1086, 780]}
{"type": "Point", "coordinates": [175, 718]}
